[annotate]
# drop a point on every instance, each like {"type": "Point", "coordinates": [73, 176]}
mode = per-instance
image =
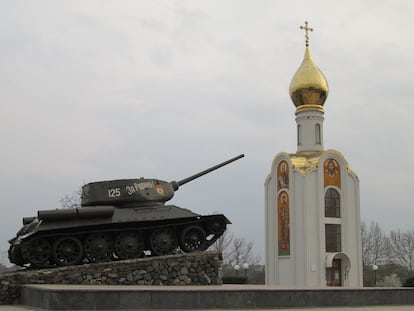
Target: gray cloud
{"type": "Point", "coordinates": [93, 90]}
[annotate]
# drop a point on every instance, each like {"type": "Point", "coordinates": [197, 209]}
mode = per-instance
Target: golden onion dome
{"type": "Point", "coordinates": [309, 87]}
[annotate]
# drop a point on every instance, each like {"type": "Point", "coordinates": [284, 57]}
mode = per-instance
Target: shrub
{"type": "Point", "coordinates": [391, 281]}
{"type": "Point", "coordinates": [409, 282]}
{"type": "Point", "coordinates": [234, 280]}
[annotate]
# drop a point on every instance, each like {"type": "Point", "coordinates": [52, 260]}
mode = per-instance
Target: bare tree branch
{"type": "Point", "coordinates": [223, 243]}
{"type": "Point", "coordinates": [402, 247]}
{"type": "Point", "coordinates": [236, 251]}
{"type": "Point", "coordinates": [71, 200]}
{"type": "Point", "coordinates": [375, 245]}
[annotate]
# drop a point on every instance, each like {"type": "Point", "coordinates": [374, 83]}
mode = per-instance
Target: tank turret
{"type": "Point", "coordinates": [117, 219]}
{"type": "Point", "coordinates": [138, 192]}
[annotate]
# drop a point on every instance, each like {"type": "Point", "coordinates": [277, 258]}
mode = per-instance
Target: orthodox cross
{"type": "Point", "coordinates": [306, 28]}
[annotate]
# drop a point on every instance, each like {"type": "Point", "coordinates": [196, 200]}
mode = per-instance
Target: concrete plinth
{"type": "Point", "coordinates": [76, 297]}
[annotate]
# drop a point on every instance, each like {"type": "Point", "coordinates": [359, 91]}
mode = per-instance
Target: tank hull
{"type": "Point", "coordinates": [118, 219]}
{"type": "Point", "coordinates": [76, 236]}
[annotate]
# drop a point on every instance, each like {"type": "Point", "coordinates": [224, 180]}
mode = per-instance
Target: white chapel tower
{"type": "Point", "coordinates": [313, 236]}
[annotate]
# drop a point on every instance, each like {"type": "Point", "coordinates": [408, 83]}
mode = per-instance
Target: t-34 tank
{"type": "Point", "coordinates": [117, 219]}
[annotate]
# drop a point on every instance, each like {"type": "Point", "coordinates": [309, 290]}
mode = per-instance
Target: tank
{"type": "Point", "coordinates": [117, 220]}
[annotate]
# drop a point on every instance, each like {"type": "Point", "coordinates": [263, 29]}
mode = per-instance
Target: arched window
{"type": "Point", "coordinates": [318, 134]}
{"type": "Point", "coordinates": [299, 135]}
{"type": "Point", "coordinates": [332, 203]}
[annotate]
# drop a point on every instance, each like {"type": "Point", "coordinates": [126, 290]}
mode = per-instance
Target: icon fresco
{"type": "Point", "coordinates": [283, 224]}
{"type": "Point", "coordinates": [283, 176]}
{"type": "Point", "coordinates": [332, 173]}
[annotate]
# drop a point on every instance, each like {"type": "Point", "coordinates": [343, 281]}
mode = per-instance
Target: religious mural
{"type": "Point", "coordinates": [283, 213]}
{"type": "Point", "coordinates": [282, 175]}
{"type": "Point", "coordinates": [332, 173]}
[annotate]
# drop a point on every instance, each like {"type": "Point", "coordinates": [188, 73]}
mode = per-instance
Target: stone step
{"type": "Point", "coordinates": [92, 297]}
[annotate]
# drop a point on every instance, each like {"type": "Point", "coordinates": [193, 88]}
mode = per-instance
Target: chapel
{"type": "Point", "coordinates": [312, 205]}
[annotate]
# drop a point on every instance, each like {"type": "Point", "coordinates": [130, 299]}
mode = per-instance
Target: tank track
{"type": "Point", "coordinates": [119, 242]}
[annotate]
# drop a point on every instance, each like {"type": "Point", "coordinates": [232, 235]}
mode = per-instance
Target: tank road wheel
{"type": "Point", "coordinates": [193, 238]}
{"type": "Point", "coordinates": [37, 251]}
{"type": "Point", "coordinates": [129, 244]}
{"type": "Point", "coordinates": [99, 247]}
{"type": "Point", "coordinates": [67, 251]}
{"type": "Point", "coordinates": [163, 241]}
{"type": "Point", "coordinates": [15, 255]}
{"type": "Point", "coordinates": [217, 226]}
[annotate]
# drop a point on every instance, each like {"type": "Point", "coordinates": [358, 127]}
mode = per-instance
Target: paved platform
{"type": "Point", "coordinates": [376, 308]}
{"type": "Point", "coordinates": [224, 297]}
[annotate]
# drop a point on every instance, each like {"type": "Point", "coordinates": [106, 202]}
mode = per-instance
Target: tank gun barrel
{"type": "Point", "coordinates": [176, 184]}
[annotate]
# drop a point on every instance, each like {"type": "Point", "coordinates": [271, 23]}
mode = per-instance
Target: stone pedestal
{"type": "Point", "coordinates": [184, 269]}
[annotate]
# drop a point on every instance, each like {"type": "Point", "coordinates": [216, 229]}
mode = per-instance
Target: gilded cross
{"type": "Point", "coordinates": [306, 28]}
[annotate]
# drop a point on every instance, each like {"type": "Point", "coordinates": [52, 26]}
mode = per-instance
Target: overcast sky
{"type": "Point", "coordinates": [97, 90]}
